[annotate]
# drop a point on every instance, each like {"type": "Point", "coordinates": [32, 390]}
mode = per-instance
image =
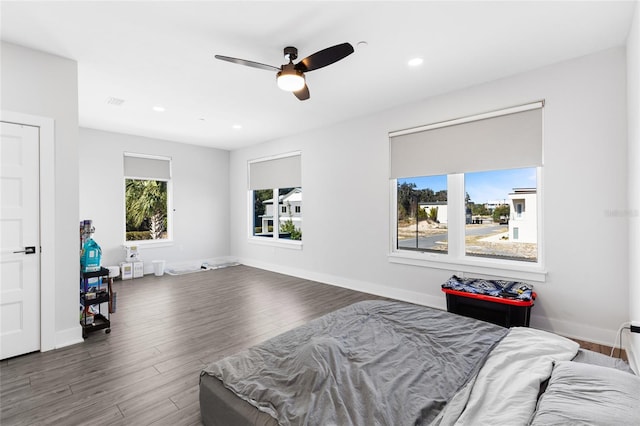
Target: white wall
{"type": "Point", "coordinates": [44, 85]}
{"type": "Point", "coordinates": [633, 102]}
{"type": "Point", "coordinates": [346, 165]}
{"type": "Point", "coordinates": [200, 179]}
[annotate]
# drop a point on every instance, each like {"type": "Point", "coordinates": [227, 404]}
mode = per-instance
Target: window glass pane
{"type": "Point", "coordinates": [422, 213]}
{"type": "Point", "coordinates": [263, 213]}
{"type": "Point", "coordinates": [290, 200]}
{"type": "Point", "coordinates": [146, 209]}
{"type": "Point", "coordinates": [502, 220]}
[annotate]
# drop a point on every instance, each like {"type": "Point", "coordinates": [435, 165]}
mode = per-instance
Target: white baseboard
{"type": "Point", "coordinates": [357, 285]}
{"type": "Point", "coordinates": [68, 337]}
{"type": "Point", "coordinates": [575, 330]}
{"type": "Point", "coordinates": [564, 328]}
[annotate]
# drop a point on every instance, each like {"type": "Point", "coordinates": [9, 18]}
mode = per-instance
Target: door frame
{"type": "Point", "coordinates": [47, 198]}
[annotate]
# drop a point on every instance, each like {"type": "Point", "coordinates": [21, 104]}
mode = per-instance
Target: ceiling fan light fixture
{"type": "Point", "coordinates": [290, 79]}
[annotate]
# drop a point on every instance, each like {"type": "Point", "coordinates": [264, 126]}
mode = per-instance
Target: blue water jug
{"type": "Point", "coordinates": [90, 258]}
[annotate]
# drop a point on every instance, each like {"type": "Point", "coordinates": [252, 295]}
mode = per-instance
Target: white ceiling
{"type": "Point", "coordinates": [152, 53]}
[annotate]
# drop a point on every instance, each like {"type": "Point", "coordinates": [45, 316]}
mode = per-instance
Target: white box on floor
{"type": "Point", "coordinates": [126, 270]}
{"type": "Point", "coordinates": [138, 269]}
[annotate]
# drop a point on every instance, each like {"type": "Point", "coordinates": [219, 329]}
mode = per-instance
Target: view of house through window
{"type": "Point", "coordinates": [276, 197]}
{"type": "Point", "coordinates": [468, 190]}
{"type": "Point", "coordinates": [503, 222]}
{"type": "Point", "coordinates": [500, 212]}
{"type": "Point", "coordinates": [279, 221]}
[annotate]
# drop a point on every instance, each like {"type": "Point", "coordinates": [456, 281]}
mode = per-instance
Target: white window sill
{"type": "Point", "coordinates": [266, 241]}
{"type": "Point", "coordinates": [149, 243]}
{"type": "Point", "coordinates": [506, 269]}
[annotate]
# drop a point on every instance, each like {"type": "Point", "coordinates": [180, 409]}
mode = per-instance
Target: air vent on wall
{"type": "Point", "coordinates": [114, 101]}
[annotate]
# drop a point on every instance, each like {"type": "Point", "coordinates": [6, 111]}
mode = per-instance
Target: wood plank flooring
{"type": "Point", "coordinates": [165, 330]}
{"type": "Point", "coordinates": [603, 349]}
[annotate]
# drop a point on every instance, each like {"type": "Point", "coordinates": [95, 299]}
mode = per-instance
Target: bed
{"type": "Point", "coordinates": [395, 363]}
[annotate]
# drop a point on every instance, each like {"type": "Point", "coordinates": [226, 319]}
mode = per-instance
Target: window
{"type": "Point", "coordinates": [147, 188]}
{"type": "Point", "coordinates": [422, 214]}
{"type": "Point", "coordinates": [276, 199]}
{"type": "Point", "coordinates": [290, 224]}
{"type": "Point", "coordinates": [262, 213]}
{"type": "Point", "coordinates": [494, 231]}
{"type": "Point", "coordinates": [466, 193]}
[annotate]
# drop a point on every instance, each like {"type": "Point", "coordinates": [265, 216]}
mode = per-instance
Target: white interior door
{"type": "Point", "coordinates": [20, 242]}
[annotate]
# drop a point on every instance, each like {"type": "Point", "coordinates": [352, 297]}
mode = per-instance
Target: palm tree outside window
{"type": "Point", "coordinates": [147, 198]}
{"type": "Point", "coordinates": [146, 207]}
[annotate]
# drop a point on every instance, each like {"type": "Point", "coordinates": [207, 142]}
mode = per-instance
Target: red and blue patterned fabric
{"type": "Point", "coordinates": [497, 288]}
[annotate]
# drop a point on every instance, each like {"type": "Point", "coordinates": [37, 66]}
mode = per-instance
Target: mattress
{"type": "Point", "coordinates": [237, 390]}
{"type": "Point", "coordinates": [221, 407]}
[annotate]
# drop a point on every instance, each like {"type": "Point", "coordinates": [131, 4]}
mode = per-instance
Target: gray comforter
{"type": "Point", "coordinates": [371, 363]}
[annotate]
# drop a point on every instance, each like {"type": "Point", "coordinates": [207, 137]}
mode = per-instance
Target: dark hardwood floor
{"type": "Point", "coordinates": [164, 331]}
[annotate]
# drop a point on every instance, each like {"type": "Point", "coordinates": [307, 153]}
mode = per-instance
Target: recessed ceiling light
{"type": "Point", "coordinates": [415, 62]}
{"type": "Point", "coordinates": [158, 108]}
{"type": "Point", "coordinates": [362, 44]}
{"type": "Point", "coordinates": [237, 126]}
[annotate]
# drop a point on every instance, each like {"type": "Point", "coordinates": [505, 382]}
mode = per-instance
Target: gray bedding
{"type": "Point", "coordinates": [374, 362]}
{"type": "Point", "coordinates": [587, 394]}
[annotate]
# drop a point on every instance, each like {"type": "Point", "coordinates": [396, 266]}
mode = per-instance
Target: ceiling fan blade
{"type": "Point", "coordinates": [248, 63]}
{"type": "Point", "coordinates": [302, 94]}
{"type": "Point", "coordinates": [325, 57]}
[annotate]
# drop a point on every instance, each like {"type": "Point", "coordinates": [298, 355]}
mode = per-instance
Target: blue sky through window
{"type": "Point", "coordinates": [494, 185]}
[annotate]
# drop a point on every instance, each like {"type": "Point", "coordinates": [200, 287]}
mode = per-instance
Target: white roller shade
{"type": "Point", "coordinates": [147, 167]}
{"type": "Point", "coordinates": [505, 140]}
{"type": "Point", "coordinates": [282, 172]}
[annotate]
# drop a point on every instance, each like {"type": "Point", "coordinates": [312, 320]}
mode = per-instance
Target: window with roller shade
{"type": "Point", "coordinates": [275, 194]}
{"type": "Point", "coordinates": [147, 198]}
{"type": "Point", "coordinates": [468, 190]}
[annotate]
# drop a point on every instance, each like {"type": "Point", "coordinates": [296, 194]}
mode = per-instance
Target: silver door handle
{"type": "Point", "coordinates": [27, 250]}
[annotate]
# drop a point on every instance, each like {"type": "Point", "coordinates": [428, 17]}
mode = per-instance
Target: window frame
{"type": "Point", "coordinates": [421, 249]}
{"type": "Point", "coordinates": [275, 240]}
{"type": "Point", "coordinates": [456, 259]}
{"type": "Point", "coordinates": [166, 242]}
{"type": "Point", "coordinates": [406, 148]}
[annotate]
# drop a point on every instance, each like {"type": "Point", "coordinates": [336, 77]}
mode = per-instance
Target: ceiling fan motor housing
{"type": "Point", "coordinates": [290, 53]}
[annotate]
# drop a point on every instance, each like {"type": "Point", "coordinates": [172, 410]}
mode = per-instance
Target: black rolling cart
{"type": "Point", "coordinates": [95, 289]}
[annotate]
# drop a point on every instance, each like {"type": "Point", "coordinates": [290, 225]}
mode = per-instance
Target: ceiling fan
{"type": "Point", "coordinates": [290, 77]}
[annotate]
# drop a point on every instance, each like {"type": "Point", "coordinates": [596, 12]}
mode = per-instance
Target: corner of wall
{"type": "Point", "coordinates": [633, 111]}
{"type": "Point", "coordinates": [633, 352]}
{"type": "Point", "coordinates": [69, 336]}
